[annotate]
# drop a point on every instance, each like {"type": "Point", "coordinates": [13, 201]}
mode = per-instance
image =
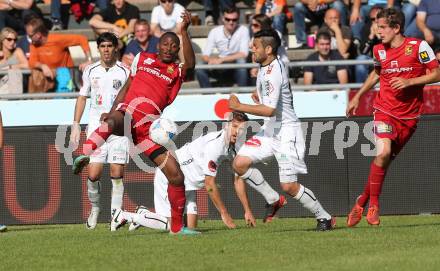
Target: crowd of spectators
{"type": "Point", "coordinates": [335, 29]}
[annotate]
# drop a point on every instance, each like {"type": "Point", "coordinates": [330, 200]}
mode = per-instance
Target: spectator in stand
{"type": "Point", "coordinates": [119, 18]}
{"type": "Point", "coordinates": [143, 42]}
{"type": "Point", "coordinates": [341, 34]}
{"type": "Point", "coordinates": [231, 41]}
{"type": "Point", "coordinates": [262, 22]}
{"type": "Point", "coordinates": [13, 13]}
{"type": "Point", "coordinates": [313, 10]}
{"type": "Point", "coordinates": [3, 228]}
{"type": "Point", "coordinates": [80, 9]}
{"type": "Point", "coordinates": [370, 37]}
{"type": "Point", "coordinates": [428, 23]}
{"type": "Point", "coordinates": [212, 8]}
{"type": "Point", "coordinates": [274, 9]}
{"type": "Point", "coordinates": [325, 74]}
{"type": "Point", "coordinates": [359, 14]}
{"type": "Point", "coordinates": [11, 57]}
{"type": "Point", "coordinates": [166, 17]}
{"type": "Point", "coordinates": [409, 9]}
{"type": "Point", "coordinates": [51, 51]}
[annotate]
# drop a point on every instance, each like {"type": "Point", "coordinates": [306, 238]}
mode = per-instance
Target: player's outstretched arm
{"type": "Point", "coordinates": [240, 190]}
{"type": "Point", "coordinates": [214, 194]}
{"type": "Point", "coordinates": [257, 110]}
{"type": "Point", "coordinates": [371, 81]}
{"type": "Point", "coordinates": [189, 57]}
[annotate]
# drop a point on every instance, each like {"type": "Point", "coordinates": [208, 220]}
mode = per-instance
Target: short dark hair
{"type": "Point", "coordinates": [264, 20]}
{"type": "Point", "coordinates": [393, 17]}
{"type": "Point", "coordinates": [170, 34]}
{"type": "Point", "coordinates": [269, 37]}
{"type": "Point", "coordinates": [141, 22]}
{"type": "Point", "coordinates": [107, 36]}
{"type": "Point", "coordinates": [324, 35]}
{"type": "Point", "coordinates": [38, 26]}
{"type": "Point", "coordinates": [239, 116]}
{"type": "Point", "coordinates": [232, 9]}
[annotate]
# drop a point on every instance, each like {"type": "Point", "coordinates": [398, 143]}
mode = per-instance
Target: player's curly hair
{"type": "Point", "coordinates": [393, 17]}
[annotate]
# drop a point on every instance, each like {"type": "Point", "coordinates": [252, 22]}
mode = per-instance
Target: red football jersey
{"type": "Point", "coordinates": [409, 60]}
{"type": "Point", "coordinates": [154, 84]}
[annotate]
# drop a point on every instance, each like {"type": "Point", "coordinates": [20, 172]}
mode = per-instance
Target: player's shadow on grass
{"type": "Point", "coordinates": [27, 228]}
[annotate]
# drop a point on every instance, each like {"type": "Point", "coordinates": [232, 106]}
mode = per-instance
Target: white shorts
{"type": "Point", "coordinates": [162, 204]}
{"type": "Point", "coordinates": [114, 151]}
{"type": "Point", "coordinates": [288, 147]}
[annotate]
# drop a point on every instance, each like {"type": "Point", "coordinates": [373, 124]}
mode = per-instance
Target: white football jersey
{"type": "Point", "coordinates": [203, 156]}
{"type": "Point", "coordinates": [102, 86]}
{"type": "Point", "coordinates": [274, 91]}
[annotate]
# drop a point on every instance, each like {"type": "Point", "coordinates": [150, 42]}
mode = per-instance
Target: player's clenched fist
{"type": "Point", "coordinates": [234, 102]}
{"type": "Point", "coordinates": [186, 20]}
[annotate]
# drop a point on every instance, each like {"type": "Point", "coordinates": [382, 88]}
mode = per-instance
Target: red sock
{"type": "Point", "coordinates": [176, 195]}
{"type": "Point", "coordinates": [96, 139]}
{"type": "Point", "coordinates": [362, 200]}
{"type": "Point", "coordinates": [377, 176]}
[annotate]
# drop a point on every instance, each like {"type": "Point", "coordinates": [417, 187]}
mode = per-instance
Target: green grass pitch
{"type": "Point", "coordinates": [400, 243]}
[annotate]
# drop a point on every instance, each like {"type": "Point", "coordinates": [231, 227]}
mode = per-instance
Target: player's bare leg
{"type": "Point", "coordinates": [176, 192]}
{"type": "Point", "coordinates": [254, 178]}
{"type": "Point", "coordinates": [94, 193]}
{"type": "Point", "coordinates": [113, 124]}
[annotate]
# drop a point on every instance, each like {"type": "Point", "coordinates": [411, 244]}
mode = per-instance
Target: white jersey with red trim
{"type": "Point", "coordinates": [274, 91]}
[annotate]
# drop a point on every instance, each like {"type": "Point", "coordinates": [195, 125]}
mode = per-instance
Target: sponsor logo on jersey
{"type": "Point", "coordinates": [382, 128]}
{"type": "Point", "coordinates": [117, 83]}
{"type": "Point", "coordinates": [148, 61]}
{"type": "Point", "coordinates": [394, 64]}
{"type": "Point", "coordinates": [382, 54]}
{"type": "Point", "coordinates": [269, 69]}
{"type": "Point", "coordinates": [268, 88]}
{"type": "Point", "coordinates": [212, 166]}
{"type": "Point", "coordinates": [170, 70]}
{"type": "Point", "coordinates": [408, 50]}
{"type": "Point", "coordinates": [156, 73]}
{"type": "Point", "coordinates": [424, 56]}
{"type": "Point", "coordinates": [395, 68]}
{"type": "Point", "coordinates": [253, 142]}
{"type": "Point", "coordinates": [187, 162]}
{"type": "Point", "coordinates": [413, 42]}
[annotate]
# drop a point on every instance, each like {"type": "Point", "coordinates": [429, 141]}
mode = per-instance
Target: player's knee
{"type": "Point", "coordinates": [240, 165]}
{"type": "Point", "coordinates": [93, 177]}
{"type": "Point", "coordinates": [176, 177]}
{"type": "Point", "coordinates": [291, 188]}
{"type": "Point", "coordinates": [383, 158]}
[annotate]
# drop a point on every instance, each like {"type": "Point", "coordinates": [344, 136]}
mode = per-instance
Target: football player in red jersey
{"type": "Point", "coordinates": [402, 66]}
{"type": "Point", "coordinates": [155, 81]}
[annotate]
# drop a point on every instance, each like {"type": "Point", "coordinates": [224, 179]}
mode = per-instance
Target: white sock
{"type": "Point", "coordinates": [94, 192]}
{"type": "Point", "coordinates": [151, 220]}
{"type": "Point", "coordinates": [255, 179]}
{"type": "Point", "coordinates": [117, 194]}
{"type": "Point", "coordinates": [147, 219]}
{"type": "Point", "coordinates": [306, 197]}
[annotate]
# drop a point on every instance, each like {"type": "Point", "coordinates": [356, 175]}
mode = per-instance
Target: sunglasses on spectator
{"type": "Point", "coordinates": [231, 19]}
{"type": "Point", "coordinates": [11, 39]}
{"type": "Point", "coordinates": [165, 1]}
{"type": "Point", "coordinates": [255, 25]}
{"type": "Point", "coordinates": [373, 19]}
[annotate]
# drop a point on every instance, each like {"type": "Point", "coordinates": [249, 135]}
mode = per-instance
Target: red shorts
{"type": "Point", "coordinates": [398, 130]}
{"type": "Point", "coordinates": [140, 131]}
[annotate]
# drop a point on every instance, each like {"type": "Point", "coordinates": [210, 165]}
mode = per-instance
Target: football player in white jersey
{"type": "Point", "coordinates": [102, 82]}
{"type": "Point", "coordinates": [281, 135]}
{"type": "Point", "coordinates": [199, 161]}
